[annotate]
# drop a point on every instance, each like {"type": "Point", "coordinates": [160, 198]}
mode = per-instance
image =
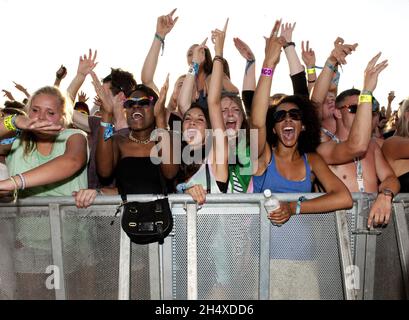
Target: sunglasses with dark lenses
{"type": "Point", "coordinates": [294, 114]}
{"type": "Point", "coordinates": [143, 102]}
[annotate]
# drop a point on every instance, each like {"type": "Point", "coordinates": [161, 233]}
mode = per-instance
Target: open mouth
{"type": "Point", "coordinates": [137, 116]}
{"type": "Point", "coordinates": [231, 125]}
{"type": "Point", "coordinates": [288, 133]}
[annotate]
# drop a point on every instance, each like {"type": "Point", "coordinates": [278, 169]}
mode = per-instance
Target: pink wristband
{"type": "Point", "coordinates": [268, 72]}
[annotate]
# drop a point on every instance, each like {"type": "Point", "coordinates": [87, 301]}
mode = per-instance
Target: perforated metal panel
{"type": "Point", "coordinates": [179, 257]}
{"type": "Point", "coordinates": [388, 272]}
{"type": "Point", "coordinates": [90, 253]}
{"type": "Point", "coordinates": [305, 262]}
{"type": "Point", "coordinates": [26, 248]}
{"type": "Point", "coordinates": [140, 282]}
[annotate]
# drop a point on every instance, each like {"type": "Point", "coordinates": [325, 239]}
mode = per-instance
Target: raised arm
{"type": "Point", "coordinates": [220, 146]}
{"type": "Point", "coordinates": [164, 25]}
{"type": "Point", "coordinates": [8, 95]}
{"type": "Point", "coordinates": [22, 89]}
{"type": "Point", "coordinates": [261, 96]}
{"type": "Point", "coordinates": [308, 56]}
{"type": "Point", "coordinates": [361, 129]}
{"type": "Point", "coordinates": [164, 147]}
{"type": "Point", "coordinates": [59, 75]}
{"type": "Point", "coordinates": [391, 97]}
{"type": "Point", "coordinates": [106, 151]}
{"type": "Point", "coordinates": [249, 79]}
{"type": "Point", "coordinates": [186, 92]}
{"type": "Point", "coordinates": [85, 66]}
{"type": "Point", "coordinates": [294, 62]}
{"type": "Point", "coordinates": [73, 159]}
{"type": "Point", "coordinates": [323, 83]}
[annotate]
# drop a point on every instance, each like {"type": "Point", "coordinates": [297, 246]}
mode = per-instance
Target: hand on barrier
{"type": "Point", "coordinates": [198, 193]}
{"type": "Point", "coordinates": [281, 215]}
{"type": "Point", "coordinates": [380, 212]}
{"type": "Point", "coordinates": [84, 197]}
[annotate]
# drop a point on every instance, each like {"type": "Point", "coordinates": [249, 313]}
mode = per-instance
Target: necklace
{"type": "Point", "coordinates": [146, 141]}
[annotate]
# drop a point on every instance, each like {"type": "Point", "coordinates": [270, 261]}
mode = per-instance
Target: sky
{"type": "Point", "coordinates": [40, 35]}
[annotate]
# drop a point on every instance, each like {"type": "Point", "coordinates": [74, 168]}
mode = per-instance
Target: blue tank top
{"type": "Point", "coordinates": [273, 180]}
{"type": "Point", "coordinates": [294, 240]}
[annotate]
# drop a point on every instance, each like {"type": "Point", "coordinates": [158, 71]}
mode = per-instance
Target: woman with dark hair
{"type": "Point", "coordinates": [287, 161]}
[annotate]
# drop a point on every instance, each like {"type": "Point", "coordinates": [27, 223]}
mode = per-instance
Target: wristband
{"type": "Point", "coordinates": [311, 81]}
{"type": "Point", "coordinates": [331, 67]}
{"type": "Point", "coordinates": [366, 92]}
{"type": "Point", "coordinates": [23, 181]}
{"type": "Point", "coordinates": [218, 58]}
{"type": "Point", "coordinates": [162, 41]}
{"type": "Point", "coordinates": [248, 64]}
{"type": "Point", "coordinates": [289, 44]}
{"type": "Point", "coordinates": [194, 69]}
{"type": "Point", "coordinates": [365, 98]}
{"type": "Point", "coordinates": [311, 70]}
{"type": "Point", "coordinates": [268, 72]}
{"type": "Point", "coordinates": [109, 130]}
{"type": "Point", "coordinates": [10, 123]}
{"type": "Point", "coordinates": [298, 208]}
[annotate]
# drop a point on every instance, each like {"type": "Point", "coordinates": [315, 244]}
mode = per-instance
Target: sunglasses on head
{"type": "Point", "coordinates": [352, 108]}
{"type": "Point", "coordinates": [294, 114]}
{"type": "Point", "coordinates": [143, 102]}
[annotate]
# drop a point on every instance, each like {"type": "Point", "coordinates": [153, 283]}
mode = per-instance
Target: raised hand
{"type": "Point", "coordinates": [287, 31]}
{"type": "Point", "coordinates": [105, 95]}
{"type": "Point", "coordinates": [8, 95]}
{"type": "Point", "coordinates": [159, 110]}
{"type": "Point", "coordinates": [308, 55]}
{"type": "Point", "coordinates": [61, 73]}
{"type": "Point", "coordinates": [199, 52]}
{"type": "Point", "coordinates": [274, 45]}
{"type": "Point", "coordinates": [218, 38]}
{"type": "Point", "coordinates": [82, 97]}
{"type": "Point", "coordinates": [19, 87]}
{"type": "Point", "coordinates": [87, 63]}
{"type": "Point", "coordinates": [165, 24]}
{"type": "Point", "coordinates": [244, 49]}
{"type": "Point", "coordinates": [341, 50]}
{"type": "Point", "coordinates": [391, 96]}
{"type": "Point", "coordinates": [372, 72]}
{"type": "Point", "coordinates": [98, 101]}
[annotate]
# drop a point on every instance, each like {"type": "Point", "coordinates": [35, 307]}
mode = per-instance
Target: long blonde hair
{"type": "Point", "coordinates": [28, 138]}
{"type": "Point", "coordinates": [402, 125]}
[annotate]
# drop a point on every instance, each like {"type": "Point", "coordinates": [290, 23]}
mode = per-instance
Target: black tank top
{"type": "Point", "coordinates": [138, 175]}
{"type": "Point", "coordinates": [404, 183]}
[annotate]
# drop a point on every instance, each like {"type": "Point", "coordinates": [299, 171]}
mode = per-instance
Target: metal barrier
{"type": "Point", "coordinates": [226, 250]}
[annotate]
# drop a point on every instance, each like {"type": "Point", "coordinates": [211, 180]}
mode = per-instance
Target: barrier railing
{"type": "Point", "coordinates": [226, 250]}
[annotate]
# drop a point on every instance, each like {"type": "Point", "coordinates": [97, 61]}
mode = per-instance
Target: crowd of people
{"type": "Point", "coordinates": [210, 137]}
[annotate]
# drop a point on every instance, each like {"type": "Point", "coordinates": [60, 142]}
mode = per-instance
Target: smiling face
{"type": "Point", "coordinates": [140, 113]}
{"type": "Point", "coordinates": [328, 106]}
{"type": "Point", "coordinates": [288, 124]}
{"type": "Point", "coordinates": [232, 116]}
{"type": "Point", "coordinates": [194, 127]}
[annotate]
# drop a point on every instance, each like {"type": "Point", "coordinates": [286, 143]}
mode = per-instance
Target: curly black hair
{"type": "Point", "coordinates": [309, 138]}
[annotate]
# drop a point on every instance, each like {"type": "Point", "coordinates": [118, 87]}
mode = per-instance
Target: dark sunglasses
{"type": "Point", "coordinates": [143, 102]}
{"type": "Point", "coordinates": [352, 108]}
{"type": "Point", "coordinates": [294, 114]}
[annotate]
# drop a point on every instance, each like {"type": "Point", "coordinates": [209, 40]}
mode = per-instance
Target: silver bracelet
{"type": "Point", "coordinates": [23, 181]}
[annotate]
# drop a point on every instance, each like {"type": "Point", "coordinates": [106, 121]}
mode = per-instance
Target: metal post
{"type": "Point", "coordinates": [167, 269]}
{"type": "Point", "coordinates": [402, 238]}
{"type": "Point", "coordinates": [191, 212]}
{"type": "Point", "coordinates": [154, 271]}
{"type": "Point", "coordinates": [57, 248]}
{"type": "Point", "coordinates": [124, 266]}
{"type": "Point", "coordinates": [264, 264]}
{"type": "Point", "coordinates": [349, 274]}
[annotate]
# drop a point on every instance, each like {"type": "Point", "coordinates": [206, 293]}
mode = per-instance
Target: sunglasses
{"type": "Point", "coordinates": [294, 114]}
{"type": "Point", "coordinates": [352, 108]}
{"type": "Point", "coordinates": [143, 102]}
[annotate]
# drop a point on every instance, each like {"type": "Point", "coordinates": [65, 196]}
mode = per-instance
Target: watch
{"type": "Point", "coordinates": [388, 192]}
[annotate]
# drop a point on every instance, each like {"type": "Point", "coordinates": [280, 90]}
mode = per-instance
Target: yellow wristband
{"type": "Point", "coordinates": [311, 71]}
{"type": "Point", "coordinates": [8, 123]}
{"type": "Point", "coordinates": [363, 98]}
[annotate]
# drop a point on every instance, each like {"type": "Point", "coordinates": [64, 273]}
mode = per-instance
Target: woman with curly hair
{"type": "Point", "coordinates": [288, 136]}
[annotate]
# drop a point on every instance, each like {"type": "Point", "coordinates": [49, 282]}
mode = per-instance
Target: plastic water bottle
{"type": "Point", "coordinates": [271, 203]}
